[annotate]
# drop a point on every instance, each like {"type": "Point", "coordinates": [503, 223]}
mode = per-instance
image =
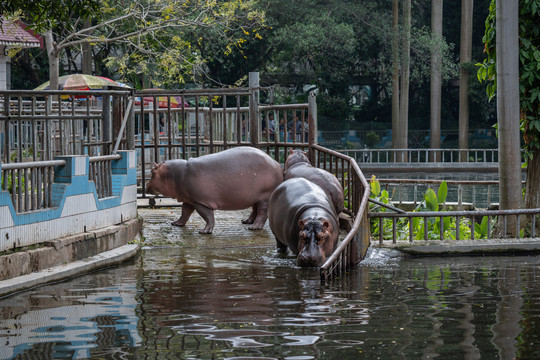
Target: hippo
{"type": "Point", "coordinates": [303, 219]}
{"type": "Point", "coordinates": [298, 165]}
{"type": "Point", "coordinates": [233, 179]}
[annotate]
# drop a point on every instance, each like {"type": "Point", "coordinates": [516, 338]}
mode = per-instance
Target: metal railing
{"type": "Point", "coordinates": [354, 246]}
{"type": "Point", "coordinates": [482, 194]}
{"type": "Point", "coordinates": [211, 120]}
{"type": "Point", "coordinates": [422, 155]}
{"type": "Point", "coordinates": [39, 125]}
{"type": "Point", "coordinates": [30, 184]}
{"type": "Point", "coordinates": [100, 172]}
{"type": "Point", "coordinates": [469, 219]}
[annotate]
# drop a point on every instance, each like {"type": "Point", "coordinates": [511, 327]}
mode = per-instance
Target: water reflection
{"type": "Point", "coordinates": [252, 303]}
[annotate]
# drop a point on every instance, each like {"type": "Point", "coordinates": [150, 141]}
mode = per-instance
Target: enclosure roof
{"type": "Point", "coordinates": [14, 34]}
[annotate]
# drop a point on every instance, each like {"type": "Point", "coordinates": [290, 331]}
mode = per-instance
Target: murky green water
{"type": "Point", "coordinates": [185, 303]}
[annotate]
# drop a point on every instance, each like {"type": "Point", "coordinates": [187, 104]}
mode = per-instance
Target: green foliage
{"type": "Point", "coordinates": [44, 15]}
{"type": "Point", "coordinates": [13, 183]}
{"type": "Point", "coordinates": [529, 71]}
{"type": "Point", "coordinates": [433, 202]}
{"type": "Point", "coordinates": [372, 139]}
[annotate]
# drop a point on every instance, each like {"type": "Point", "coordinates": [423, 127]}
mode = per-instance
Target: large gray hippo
{"type": "Point", "coordinates": [233, 179]}
{"type": "Point", "coordinates": [298, 165]}
{"type": "Point", "coordinates": [303, 218]}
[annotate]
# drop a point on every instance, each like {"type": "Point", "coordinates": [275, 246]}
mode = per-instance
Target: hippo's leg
{"type": "Point", "coordinates": [252, 216]}
{"type": "Point", "coordinates": [187, 210]}
{"type": "Point", "coordinates": [281, 247]}
{"type": "Point", "coordinates": [260, 219]}
{"type": "Point", "coordinates": [208, 215]}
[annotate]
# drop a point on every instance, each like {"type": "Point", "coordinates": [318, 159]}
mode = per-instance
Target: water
{"type": "Point", "coordinates": [183, 303]}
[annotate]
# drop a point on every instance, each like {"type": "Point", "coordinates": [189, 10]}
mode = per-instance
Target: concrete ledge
{"type": "Point", "coordinates": [69, 249]}
{"type": "Point", "coordinates": [60, 272]}
{"type": "Point", "coordinates": [465, 247]}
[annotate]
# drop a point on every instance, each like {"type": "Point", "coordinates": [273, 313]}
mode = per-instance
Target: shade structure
{"type": "Point", "coordinates": [80, 82]}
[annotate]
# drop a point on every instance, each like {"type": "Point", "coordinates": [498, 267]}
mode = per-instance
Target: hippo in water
{"type": "Point", "coordinates": [303, 218]}
{"type": "Point", "coordinates": [233, 179]}
{"type": "Point", "coordinates": [298, 165]}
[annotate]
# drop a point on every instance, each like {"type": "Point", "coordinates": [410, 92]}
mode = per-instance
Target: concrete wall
{"type": "Point", "coordinates": [77, 208]}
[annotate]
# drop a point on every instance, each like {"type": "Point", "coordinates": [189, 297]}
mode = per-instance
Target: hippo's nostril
{"type": "Point", "coordinates": [306, 261]}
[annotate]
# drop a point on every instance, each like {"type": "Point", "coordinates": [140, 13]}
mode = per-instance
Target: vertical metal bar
{"type": "Point", "coordinates": [155, 118]}
{"type": "Point", "coordinates": [381, 230]}
{"type": "Point", "coordinates": [254, 107]}
{"type": "Point", "coordinates": [394, 230]}
{"type": "Point", "coordinates": [19, 190]}
{"type": "Point", "coordinates": [517, 226]}
{"type": "Point", "coordinates": [241, 127]}
{"type": "Point", "coordinates": [106, 124]}
{"type": "Point", "coordinates": [473, 218]}
{"type": "Point", "coordinates": [39, 187]}
{"type": "Point", "coordinates": [211, 122]}
{"type": "Point", "coordinates": [225, 135]}
{"type": "Point", "coordinates": [197, 147]}
{"type": "Point", "coordinates": [34, 129]}
{"type": "Point", "coordinates": [410, 229]}
{"type": "Point", "coordinates": [168, 127]}
{"type": "Point", "coordinates": [425, 228]}
{"type": "Point", "coordinates": [533, 225]}
{"type": "Point", "coordinates": [457, 227]}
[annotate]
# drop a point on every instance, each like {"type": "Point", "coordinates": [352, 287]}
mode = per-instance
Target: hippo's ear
{"type": "Point", "coordinates": [304, 152]}
{"type": "Point", "coordinates": [301, 224]}
{"type": "Point", "coordinates": [291, 151]}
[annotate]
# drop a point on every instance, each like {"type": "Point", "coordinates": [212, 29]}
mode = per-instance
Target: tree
{"type": "Point", "coordinates": [527, 54]}
{"type": "Point", "coordinates": [395, 73]}
{"type": "Point", "coordinates": [435, 93]}
{"type": "Point", "coordinates": [43, 16]}
{"type": "Point", "coordinates": [145, 33]}
{"type": "Point", "coordinates": [405, 78]}
{"type": "Point", "coordinates": [465, 58]}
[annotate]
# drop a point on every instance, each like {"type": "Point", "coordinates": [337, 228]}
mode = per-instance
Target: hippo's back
{"type": "Point", "coordinates": [287, 203]}
{"type": "Point", "coordinates": [327, 181]}
{"type": "Point", "coordinates": [231, 179]}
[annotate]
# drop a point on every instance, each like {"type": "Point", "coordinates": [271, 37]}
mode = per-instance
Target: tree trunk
{"type": "Point", "coordinates": [532, 187]}
{"type": "Point", "coordinates": [405, 73]}
{"type": "Point", "coordinates": [465, 52]}
{"type": "Point", "coordinates": [508, 108]}
{"type": "Point", "coordinates": [54, 61]}
{"type": "Point", "coordinates": [435, 91]}
{"type": "Point", "coordinates": [87, 54]}
{"type": "Point", "coordinates": [395, 74]}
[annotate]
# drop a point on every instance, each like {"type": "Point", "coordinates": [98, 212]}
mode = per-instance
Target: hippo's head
{"type": "Point", "coordinates": [156, 182]}
{"type": "Point", "coordinates": [295, 157]}
{"type": "Point", "coordinates": [315, 242]}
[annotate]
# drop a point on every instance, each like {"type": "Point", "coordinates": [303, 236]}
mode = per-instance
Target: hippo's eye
{"type": "Point", "coordinates": [303, 234]}
{"type": "Point", "coordinates": [321, 237]}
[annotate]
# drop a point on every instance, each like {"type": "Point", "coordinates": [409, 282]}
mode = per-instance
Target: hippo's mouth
{"type": "Point", "coordinates": [309, 261]}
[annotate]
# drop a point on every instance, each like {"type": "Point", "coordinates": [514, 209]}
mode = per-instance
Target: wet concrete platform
{"type": "Point", "coordinates": [228, 229]}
